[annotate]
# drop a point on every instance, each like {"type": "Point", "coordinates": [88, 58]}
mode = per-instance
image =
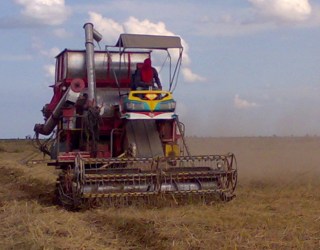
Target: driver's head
{"type": "Point", "coordinates": [147, 62]}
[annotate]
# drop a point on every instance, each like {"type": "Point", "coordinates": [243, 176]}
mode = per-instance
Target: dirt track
{"type": "Point", "coordinates": [277, 204]}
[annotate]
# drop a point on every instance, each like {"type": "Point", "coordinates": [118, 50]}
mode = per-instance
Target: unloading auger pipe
{"type": "Point", "coordinates": [90, 35]}
{"type": "Point", "coordinates": [47, 128]}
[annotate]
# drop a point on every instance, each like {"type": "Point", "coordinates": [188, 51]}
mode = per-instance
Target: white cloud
{"type": "Point", "coordinates": [49, 70]}
{"type": "Point", "coordinates": [261, 15]}
{"type": "Point", "coordinates": [189, 76]}
{"type": "Point", "coordinates": [111, 29]}
{"type": "Point", "coordinates": [240, 103]}
{"type": "Point", "coordinates": [133, 25]}
{"type": "Point", "coordinates": [49, 12]}
{"type": "Point", "coordinates": [285, 10]}
{"type": "Point", "coordinates": [39, 48]}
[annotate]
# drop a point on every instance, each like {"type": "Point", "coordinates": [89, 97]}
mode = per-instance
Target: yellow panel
{"type": "Point", "coordinates": [172, 150]}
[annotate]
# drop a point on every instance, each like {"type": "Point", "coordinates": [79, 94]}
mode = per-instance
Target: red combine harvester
{"type": "Point", "coordinates": [115, 142]}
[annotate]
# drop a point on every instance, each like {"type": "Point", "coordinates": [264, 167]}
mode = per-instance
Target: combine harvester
{"type": "Point", "coordinates": [119, 144]}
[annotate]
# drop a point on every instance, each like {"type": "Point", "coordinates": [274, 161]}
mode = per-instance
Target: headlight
{"type": "Point", "coordinates": [135, 106]}
{"type": "Point", "coordinates": [166, 106]}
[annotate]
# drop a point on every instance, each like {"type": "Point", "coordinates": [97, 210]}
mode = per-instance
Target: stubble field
{"type": "Point", "coordinates": [277, 204]}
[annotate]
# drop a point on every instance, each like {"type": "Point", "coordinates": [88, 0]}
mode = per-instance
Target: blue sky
{"type": "Point", "coordinates": [251, 67]}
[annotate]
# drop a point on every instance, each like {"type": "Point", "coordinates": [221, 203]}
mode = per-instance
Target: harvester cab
{"type": "Point", "coordinates": [115, 141]}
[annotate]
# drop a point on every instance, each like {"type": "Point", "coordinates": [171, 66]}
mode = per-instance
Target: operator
{"type": "Point", "coordinates": [146, 76]}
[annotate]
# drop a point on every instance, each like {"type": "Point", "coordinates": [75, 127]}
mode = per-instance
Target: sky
{"type": "Point", "coordinates": [250, 67]}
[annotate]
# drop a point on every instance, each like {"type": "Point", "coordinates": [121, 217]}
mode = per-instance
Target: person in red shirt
{"type": "Point", "coordinates": [146, 76]}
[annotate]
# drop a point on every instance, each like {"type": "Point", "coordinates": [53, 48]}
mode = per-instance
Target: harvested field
{"type": "Point", "coordinates": [277, 204]}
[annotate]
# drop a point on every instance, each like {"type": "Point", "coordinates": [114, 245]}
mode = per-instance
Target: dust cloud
{"type": "Point", "coordinates": [267, 159]}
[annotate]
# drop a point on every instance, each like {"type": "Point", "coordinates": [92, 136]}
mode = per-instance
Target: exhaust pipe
{"type": "Point", "coordinates": [90, 35]}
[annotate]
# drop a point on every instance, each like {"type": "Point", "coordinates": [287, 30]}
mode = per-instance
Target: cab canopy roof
{"type": "Point", "coordinates": [135, 41]}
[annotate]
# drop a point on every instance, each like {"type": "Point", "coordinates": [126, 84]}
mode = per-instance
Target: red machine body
{"type": "Point", "coordinates": [112, 140]}
{"type": "Point", "coordinates": [113, 73]}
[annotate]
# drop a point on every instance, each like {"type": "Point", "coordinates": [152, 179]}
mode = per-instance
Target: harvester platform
{"type": "Point", "coordinates": [125, 179]}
